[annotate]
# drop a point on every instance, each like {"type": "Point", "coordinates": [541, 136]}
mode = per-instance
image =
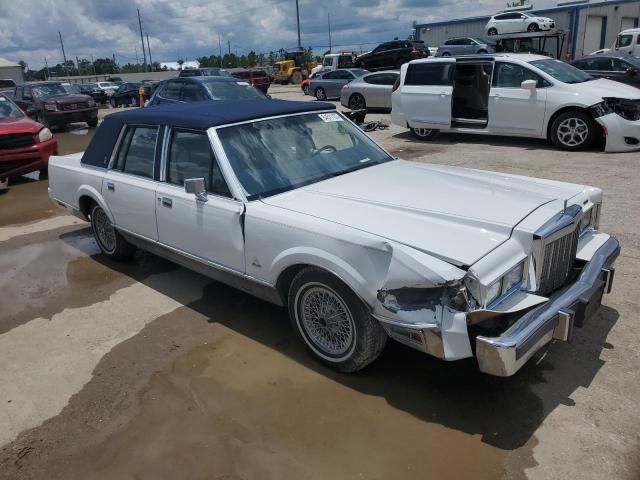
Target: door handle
{"type": "Point", "coordinates": [111, 186]}
{"type": "Point", "coordinates": [166, 202]}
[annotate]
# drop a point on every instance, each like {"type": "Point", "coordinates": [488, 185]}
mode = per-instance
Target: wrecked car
{"type": "Point", "coordinates": [519, 95]}
{"type": "Point", "coordinates": [292, 203]}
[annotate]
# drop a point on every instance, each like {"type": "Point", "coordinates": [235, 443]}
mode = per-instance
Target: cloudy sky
{"type": "Point", "coordinates": [186, 29]}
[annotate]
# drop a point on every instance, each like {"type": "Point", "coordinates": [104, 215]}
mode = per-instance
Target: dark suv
{"type": "Point", "coordinates": [50, 104]}
{"type": "Point", "coordinates": [204, 72]}
{"type": "Point", "coordinates": [197, 89]}
{"type": "Point", "coordinates": [391, 55]}
{"type": "Point", "coordinates": [257, 78]}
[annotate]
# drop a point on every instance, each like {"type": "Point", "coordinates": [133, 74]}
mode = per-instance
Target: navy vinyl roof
{"type": "Point", "coordinates": [193, 115]}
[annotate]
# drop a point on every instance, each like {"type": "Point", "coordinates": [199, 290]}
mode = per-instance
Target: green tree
{"type": "Point", "coordinates": [180, 63]}
{"type": "Point", "coordinates": [105, 66]}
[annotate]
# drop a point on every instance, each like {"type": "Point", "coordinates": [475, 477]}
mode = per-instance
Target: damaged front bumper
{"type": "Point", "coordinates": [621, 135]}
{"type": "Point", "coordinates": [505, 355]}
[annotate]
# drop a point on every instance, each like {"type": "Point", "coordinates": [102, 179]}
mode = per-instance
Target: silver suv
{"type": "Point", "coordinates": [463, 46]}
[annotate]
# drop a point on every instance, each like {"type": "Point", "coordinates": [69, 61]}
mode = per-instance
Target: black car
{"type": "Point", "coordinates": [195, 89]}
{"type": "Point", "coordinates": [128, 94]}
{"type": "Point", "coordinates": [90, 89]}
{"type": "Point", "coordinates": [619, 67]}
{"type": "Point", "coordinates": [204, 72]}
{"type": "Point", "coordinates": [391, 55]}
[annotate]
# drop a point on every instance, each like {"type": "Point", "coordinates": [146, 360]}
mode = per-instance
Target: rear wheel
{"type": "Point", "coordinates": [296, 77]}
{"type": "Point", "coordinates": [445, 54]}
{"type": "Point", "coordinates": [332, 321]}
{"type": "Point", "coordinates": [357, 102]}
{"type": "Point", "coordinates": [111, 243]}
{"type": "Point", "coordinates": [533, 28]}
{"type": "Point", "coordinates": [492, 31]}
{"type": "Point", "coordinates": [305, 89]}
{"type": "Point", "coordinates": [425, 134]}
{"type": "Point", "coordinates": [482, 52]}
{"type": "Point", "coordinates": [573, 130]}
{"type": "Point", "coordinates": [320, 93]}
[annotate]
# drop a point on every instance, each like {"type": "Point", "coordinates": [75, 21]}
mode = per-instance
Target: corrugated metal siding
{"type": "Point", "coordinates": [14, 73]}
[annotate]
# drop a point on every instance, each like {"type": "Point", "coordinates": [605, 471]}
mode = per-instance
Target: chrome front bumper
{"type": "Point", "coordinates": [505, 355]}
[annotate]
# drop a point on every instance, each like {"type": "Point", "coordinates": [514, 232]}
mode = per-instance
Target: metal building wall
{"type": "Point", "coordinates": [13, 73]}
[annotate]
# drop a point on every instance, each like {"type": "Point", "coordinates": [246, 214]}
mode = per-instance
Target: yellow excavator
{"type": "Point", "coordinates": [293, 69]}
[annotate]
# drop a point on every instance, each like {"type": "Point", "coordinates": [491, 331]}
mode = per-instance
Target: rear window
{"type": "Point", "coordinates": [431, 73]}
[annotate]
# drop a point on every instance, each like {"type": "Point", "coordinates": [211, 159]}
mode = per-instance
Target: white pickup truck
{"type": "Point", "coordinates": [292, 203]}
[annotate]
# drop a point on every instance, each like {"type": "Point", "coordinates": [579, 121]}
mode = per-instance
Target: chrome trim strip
{"type": "Point", "coordinates": [505, 355]}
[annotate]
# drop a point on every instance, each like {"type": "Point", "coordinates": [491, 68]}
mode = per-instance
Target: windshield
{"type": "Point", "coordinates": [633, 60]}
{"type": "Point", "coordinates": [73, 89]}
{"type": "Point", "coordinates": [8, 109]}
{"type": "Point", "coordinates": [43, 91]}
{"type": "Point", "coordinates": [561, 71]}
{"type": "Point", "coordinates": [239, 90]}
{"type": "Point", "coordinates": [624, 41]}
{"type": "Point", "coordinates": [358, 72]}
{"type": "Point", "coordinates": [214, 72]}
{"type": "Point", "coordinates": [276, 155]}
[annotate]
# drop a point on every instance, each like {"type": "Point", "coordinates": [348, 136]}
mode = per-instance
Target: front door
{"type": "Point", "coordinates": [513, 109]}
{"type": "Point", "coordinates": [210, 230]}
{"type": "Point", "coordinates": [426, 93]}
{"type": "Point", "coordinates": [129, 188]}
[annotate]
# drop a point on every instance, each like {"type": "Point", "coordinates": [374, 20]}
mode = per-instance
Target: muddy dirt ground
{"type": "Point", "coordinates": [145, 370]}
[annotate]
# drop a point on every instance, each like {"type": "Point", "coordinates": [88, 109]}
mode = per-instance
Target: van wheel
{"type": "Point", "coordinates": [320, 93]}
{"type": "Point", "coordinates": [492, 31]}
{"type": "Point", "coordinates": [425, 134]}
{"type": "Point", "coordinates": [573, 130]}
{"type": "Point", "coordinates": [333, 323]}
{"type": "Point", "coordinates": [111, 243]}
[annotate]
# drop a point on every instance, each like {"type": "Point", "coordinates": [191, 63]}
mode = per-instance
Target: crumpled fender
{"type": "Point", "coordinates": [616, 129]}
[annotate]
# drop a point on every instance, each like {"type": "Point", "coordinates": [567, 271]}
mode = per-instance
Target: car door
{"type": "Point", "coordinates": [129, 187]}
{"type": "Point", "coordinates": [332, 82]}
{"type": "Point", "coordinates": [210, 230]}
{"type": "Point", "coordinates": [426, 93]}
{"type": "Point", "coordinates": [378, 89]}
{"type": "Point", "coordinates": [513, 109]}
{"type": "Point", "coordinates": [622, 71]}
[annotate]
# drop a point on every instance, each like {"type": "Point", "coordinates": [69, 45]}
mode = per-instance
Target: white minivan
{"type": "Point", "coordinates": [517, 95]}
{"type": "Point", "coordinates": [628, 41]}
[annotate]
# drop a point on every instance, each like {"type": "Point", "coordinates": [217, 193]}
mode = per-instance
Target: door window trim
{"type": "Point", "coordinates": [120, 144]}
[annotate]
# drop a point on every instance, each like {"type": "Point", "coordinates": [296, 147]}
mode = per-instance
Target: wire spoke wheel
{"type": "Point", "coordinates": [573, 132]}
{"type": "Point", "coordinates": [326, 320]}
{"type": "Point", "coordinates": [104, 230]}
{"type": "Point", "coordinates": [422, 132]}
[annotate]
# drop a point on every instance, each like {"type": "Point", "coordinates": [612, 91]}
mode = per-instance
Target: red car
{"type": "Point", "coordinates": [25, 145]}
{"type": "Point", "coordinates": [257, 78]}
{"type": "Point", "coordinates": [304, 85]}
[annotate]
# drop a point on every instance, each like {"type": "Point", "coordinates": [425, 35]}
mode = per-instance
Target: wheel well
{"type": "Point", "coordinates": [285, 278]}
{"type": "Point", "coordinates": [564, 110]}
{"type": "Point", "coordinates": [86, 204]}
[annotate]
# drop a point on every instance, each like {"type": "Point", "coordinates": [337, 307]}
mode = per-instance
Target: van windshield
{"type": "Point", "coordinates": [561, 71]}
{"type": "Point", "coordinates": [624, 41]}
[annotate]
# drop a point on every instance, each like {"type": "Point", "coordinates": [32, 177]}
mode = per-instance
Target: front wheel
{"type": "Point", "coordinates": [492, 31]}
{"type": "Point", "coordinates": [296, 77]}
{"type": "Point", "coordinates": [320, 93]}
{"type": "Point", "coordinates": [332, 321]}
{"type": "Point", "coordinates": [425, 134]}
{"type": "Point", "coordinates": [573, 130]}
{"type": "Point", "coordinates": [305, 89]}
{"type": "Point", "coordinates": [357, 102]}
{"type": "Point", "coordinates": [533, 28]}
{"type": "Point", "coordinates": [110, 241]}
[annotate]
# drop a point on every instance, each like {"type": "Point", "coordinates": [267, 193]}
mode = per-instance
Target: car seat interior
{"type": "Point", "coordinates": [470, 102]}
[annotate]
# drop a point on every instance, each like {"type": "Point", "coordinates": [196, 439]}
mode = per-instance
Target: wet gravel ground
{"type": "Point", "coordinates": [145, 370]}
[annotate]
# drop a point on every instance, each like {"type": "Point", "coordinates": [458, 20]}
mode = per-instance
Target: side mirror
{"type": "Point", "coordinates": [197, 187]}
{"type": "Point", "coordinates": [530, 85]}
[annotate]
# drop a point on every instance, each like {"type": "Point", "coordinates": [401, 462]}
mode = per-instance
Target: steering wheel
{"type": "Point", "coordinates": [325, 149]}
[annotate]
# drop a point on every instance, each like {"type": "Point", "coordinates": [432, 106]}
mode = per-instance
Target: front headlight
{"type": "Point", "coordinates": [51, 107]}
{"type": "Point", "coordinates": [44, 135]}
{"type": "Point", "coordinates": [505, 284]}
{"type": "Point", "coordinates": [493, 292]}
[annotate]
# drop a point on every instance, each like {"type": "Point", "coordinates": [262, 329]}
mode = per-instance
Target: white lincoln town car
{"type": "Point", "coordinates": [292, 203]}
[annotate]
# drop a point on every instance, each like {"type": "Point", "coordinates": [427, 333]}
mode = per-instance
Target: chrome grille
{"type": "Point", "coordinates": [559, 257]}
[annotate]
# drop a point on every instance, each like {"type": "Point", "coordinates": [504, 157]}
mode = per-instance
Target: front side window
{"type": "Point", "coordinates": [136, 155]}
{"type": "Point", "coordinates": [429, 73]}
{"type": "Point", "coordinates": [561, 71]}
{"type": "Point", "coordinates": [240, 90]}
{"type": "Point", "coordinates": [275, 155]}
{"type": "Point", "coordinates": [190, 156]}
{"type": "Point", "coordinates": [624, 41]}
{"type": "Point", "coordinates": [510, 75]}
{"type": "Point", "coordinates": [332, 75]}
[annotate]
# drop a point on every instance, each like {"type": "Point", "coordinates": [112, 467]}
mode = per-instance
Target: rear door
{"type": "Point", "coordinates": [378, 89]}
{"type": "Point", "coordinates": [426, 93]}
{"type": "Point", "coordinates": [210, 230]}
{"type": "Point", "coordinates": [129, 187]}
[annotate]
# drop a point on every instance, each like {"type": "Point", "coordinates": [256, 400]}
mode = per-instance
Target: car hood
{"type": "Point", "coordinates": [19, 125]}
{"type": "Point", "coordinates": [456, 214]}
{"type": "Point", "coordinates": [603, 88]}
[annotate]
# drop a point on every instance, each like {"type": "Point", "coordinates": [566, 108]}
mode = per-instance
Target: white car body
{"type": "Point", "coordinates": [518, 111]}
{"type": "Point", "coordinates": [108, 87]}
{"type": "Point", "coordinates": [628, 41]}
{"type": "Point", "coordinates": [517, 22]}
{"type": "Point", "coordinates": [447, 234]}
{"type": "Point", "coordinates": [333, 61]}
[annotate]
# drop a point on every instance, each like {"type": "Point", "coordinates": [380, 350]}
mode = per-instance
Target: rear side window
{"type": "Point", "coordinates": [136, 155]}
{"type": "Point", "coordinates": [190, 156]}
{"type": "Point", "coordinates": [431, 73]}
{"type": "Point", "coordinates": [171, 91]}
{"type": "Point", "coordinates": [381, 78]}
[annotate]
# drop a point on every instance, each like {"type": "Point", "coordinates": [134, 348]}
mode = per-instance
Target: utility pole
{"type": "Point", "coordinates": [144, 54]}
{"type": "Point", "coordinates": [149, 48]}
{"type": "Point", "coordinates": [78, 64]}
{"type": "Point", "coordinates": [64, 55]}
{"type": "Point", "coordinates": [46, 65]}
{"type": "Point", "coordinates": [329, 22]}
{"type": "Point", "coordinates": [298, 21]}
{"type": "Point", "coordinates": [229, 46]}
{"type": "Point", "coordinates": [220, 50]}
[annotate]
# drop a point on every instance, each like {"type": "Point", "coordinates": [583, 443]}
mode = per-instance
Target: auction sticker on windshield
{"type": "Point", "coordinates": [330, 117]}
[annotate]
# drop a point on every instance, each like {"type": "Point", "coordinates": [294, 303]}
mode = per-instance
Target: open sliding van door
{"type": "Point", "coordinates": [426, 93]}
